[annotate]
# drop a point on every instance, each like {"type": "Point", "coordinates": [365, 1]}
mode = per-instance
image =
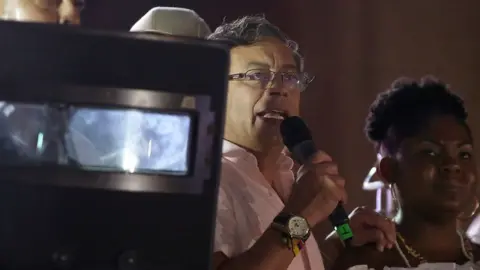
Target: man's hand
{"type": "Point", "coordinates": [318, 190]}
{"type": "Point", "coordinates": [370, 227]}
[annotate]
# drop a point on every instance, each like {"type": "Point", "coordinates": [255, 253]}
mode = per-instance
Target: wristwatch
{"type": "Point", "coordinates": [294, 227]}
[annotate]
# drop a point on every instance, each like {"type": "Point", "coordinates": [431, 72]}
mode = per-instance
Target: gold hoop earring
{"type": "Point", "coordinates": [463, 216]}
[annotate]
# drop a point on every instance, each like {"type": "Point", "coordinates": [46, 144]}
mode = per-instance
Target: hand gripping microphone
{"type": "Point", "coordinates": [298, 139]}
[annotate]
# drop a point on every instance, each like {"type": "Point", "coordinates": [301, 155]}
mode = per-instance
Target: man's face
{"type": "Point", "coordinates": [255, 105]}
{"type": "Point", "coordinates": [47, 11]}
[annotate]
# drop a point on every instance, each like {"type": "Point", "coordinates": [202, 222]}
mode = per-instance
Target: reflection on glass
{"type": "Point", "coordinates": [384, 203]}
{"type": "Point", "coordinates": [94, 138]}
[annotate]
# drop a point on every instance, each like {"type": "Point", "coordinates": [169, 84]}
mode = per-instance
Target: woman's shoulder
{"type": "Point", "coordinates": [367, 255]}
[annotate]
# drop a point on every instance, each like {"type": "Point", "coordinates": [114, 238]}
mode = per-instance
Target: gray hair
{"type": "Point", "coordinates": [250, 29]}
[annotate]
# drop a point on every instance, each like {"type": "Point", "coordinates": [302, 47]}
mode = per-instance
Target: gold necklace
{"type": "Point", "coordinates": [411, 250]}
{"type": "Point", "coordinates": [467, 248]}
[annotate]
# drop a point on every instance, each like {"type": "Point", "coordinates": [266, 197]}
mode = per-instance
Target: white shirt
{"type": "Point", "coordinates": [247, 205]}
{"type": "Point", "coordinates": [427, 266]}
{"type": "Point", "coordinates": [473, 231]}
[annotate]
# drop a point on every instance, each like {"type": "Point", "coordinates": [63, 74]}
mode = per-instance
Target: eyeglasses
{"type": "Point", "coordinates": [290, 80]}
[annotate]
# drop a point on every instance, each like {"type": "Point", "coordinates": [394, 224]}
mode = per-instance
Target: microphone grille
{"type": "Point", "coordinates": [294, 131]}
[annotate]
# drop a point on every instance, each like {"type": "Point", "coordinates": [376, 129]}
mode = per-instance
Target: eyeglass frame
{"type": "Point", "coordinates": [304, 79]}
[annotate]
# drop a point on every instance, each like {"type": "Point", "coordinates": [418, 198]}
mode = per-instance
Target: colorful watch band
{"type": "Point", "coordinates": [295, 245]}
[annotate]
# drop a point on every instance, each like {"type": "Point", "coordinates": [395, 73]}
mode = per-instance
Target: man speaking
{"type": "Point", "coordinates": [265, 217]}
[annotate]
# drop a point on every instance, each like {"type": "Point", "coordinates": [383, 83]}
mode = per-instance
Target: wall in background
{"type": "Point", "coordinates": [355, 49]}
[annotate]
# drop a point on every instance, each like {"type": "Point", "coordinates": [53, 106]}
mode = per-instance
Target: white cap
{"type": "Point", "coordinates": [172, 21]}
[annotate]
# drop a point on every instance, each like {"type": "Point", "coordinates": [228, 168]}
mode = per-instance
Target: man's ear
{"type": "Point", "coordinates": [387, 168]}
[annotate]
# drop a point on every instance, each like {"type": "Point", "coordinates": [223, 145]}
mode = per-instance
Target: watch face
{"type": "Point", "coordinates": [298, 227]}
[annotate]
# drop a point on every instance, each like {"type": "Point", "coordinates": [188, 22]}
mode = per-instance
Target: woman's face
{"type": "Point", "coordinates": [435, 170]}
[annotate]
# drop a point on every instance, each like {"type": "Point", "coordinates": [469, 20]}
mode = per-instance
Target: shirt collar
{"type": "Point", "coordinates": [235, 153]}
{"type": "Point", "coordinates": [248, 163]}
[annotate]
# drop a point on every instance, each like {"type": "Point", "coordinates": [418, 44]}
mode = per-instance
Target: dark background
{"type": "Point", "coordinates": [355, 49]}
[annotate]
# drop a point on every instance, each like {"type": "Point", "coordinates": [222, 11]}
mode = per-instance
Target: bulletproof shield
{"type": "Point", "coordinates": [96, 171]}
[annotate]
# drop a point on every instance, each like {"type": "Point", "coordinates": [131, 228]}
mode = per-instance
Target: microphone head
{"type": "Point", "coordinates": [294, 131]}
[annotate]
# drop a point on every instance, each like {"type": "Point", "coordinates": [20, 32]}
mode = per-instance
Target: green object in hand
{"type": "Point", "coordinates": [344, 231]}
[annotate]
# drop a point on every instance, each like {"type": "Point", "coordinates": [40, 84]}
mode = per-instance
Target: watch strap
{"type": "Point", "coordinates": [282, 219]}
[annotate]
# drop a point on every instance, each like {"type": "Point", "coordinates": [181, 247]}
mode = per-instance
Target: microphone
{"type": "Point", "coordinates": [298, 139]}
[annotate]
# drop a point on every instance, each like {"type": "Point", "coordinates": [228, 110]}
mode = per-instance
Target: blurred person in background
{"type": "Point", "coordinates": [46, 11]}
